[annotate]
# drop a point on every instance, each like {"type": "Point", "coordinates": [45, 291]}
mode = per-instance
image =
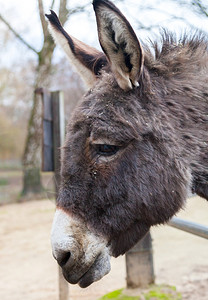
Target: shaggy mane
{"type": "Point", "coordinates": [171, 56]}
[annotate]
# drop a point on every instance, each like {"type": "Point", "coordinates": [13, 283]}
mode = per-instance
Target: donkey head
{"type": "Point", "coordinates": [120, 172]}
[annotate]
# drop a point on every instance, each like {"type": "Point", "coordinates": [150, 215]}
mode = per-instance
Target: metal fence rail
{"type": "Point", "coordinates": [189, 226]}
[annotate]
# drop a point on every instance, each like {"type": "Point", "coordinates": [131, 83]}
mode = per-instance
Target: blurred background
{"type": "Point", "coordinates": [29, 60]}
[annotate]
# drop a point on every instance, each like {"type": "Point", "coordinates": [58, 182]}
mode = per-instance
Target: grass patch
{"type": "Point", "coordinates": [155, 292]}
{"type": "Point", "coordinates": [163, 292]}
{"type": "Point", "coordinates": [118, 295]}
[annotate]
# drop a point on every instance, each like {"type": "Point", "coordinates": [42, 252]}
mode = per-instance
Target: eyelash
{"type": "Point", "coordinates": [106, 150]}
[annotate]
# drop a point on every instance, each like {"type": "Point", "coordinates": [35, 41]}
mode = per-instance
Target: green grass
{"type": "Point", "coordinates": [163, 292]}
{"type": "Point", "coordinates": [117, 295]}
{"type": "Point", "coordinates": [112, 295]}
{"type": "Point", "coordinates": [155, 292]}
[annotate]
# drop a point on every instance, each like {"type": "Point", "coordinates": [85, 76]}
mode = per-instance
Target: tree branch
{"type": "Point", "coordinates": [52, 4]}
{"type": "Point", "coordinates": [17, 35]}
{"type": "Point", "coordinates": [42, 18]}
{"type": "Point", "coordinates": [202, 8]}
{"type": "Point", "coordinates": [63, 11]}
{"type": "Point", "coordinates": [78, 9]}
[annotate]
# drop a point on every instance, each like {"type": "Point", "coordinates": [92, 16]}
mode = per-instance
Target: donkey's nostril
{"type": "Point", "coordinates": [63, 257]}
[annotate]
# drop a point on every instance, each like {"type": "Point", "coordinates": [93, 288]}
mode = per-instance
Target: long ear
{"type": "Point", "coordinates": [87, 60]}
{"type": "Point", "coordinates": [120, 44]}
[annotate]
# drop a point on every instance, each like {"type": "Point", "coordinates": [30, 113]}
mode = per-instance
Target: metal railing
{"type": "Point", "coordinates": [189, 226]}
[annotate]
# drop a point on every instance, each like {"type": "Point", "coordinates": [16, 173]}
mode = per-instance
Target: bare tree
{"type": "Point", "coordinates": [32, 152]}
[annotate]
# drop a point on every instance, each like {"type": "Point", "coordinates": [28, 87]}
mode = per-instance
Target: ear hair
{"type": "Point", "coordinates": [87, 60]}
{"type": "Point", "coordinates": [120, 44]}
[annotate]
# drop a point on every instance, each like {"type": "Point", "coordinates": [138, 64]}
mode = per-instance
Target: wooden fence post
{"type": "Point", "coordinates": [47, 134]}
{"type": "Point", "coordinates": [53, 138]}
{"type": "Point", "coordinates": [139, 264]}
{"type": "Point", "coordinates": [59, 135]}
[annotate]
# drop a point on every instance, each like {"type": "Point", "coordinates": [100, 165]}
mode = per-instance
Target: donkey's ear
{"type": "Point", "coordinates": [87, 60]}
{"type": "Point", "coordinates": [119, 42]}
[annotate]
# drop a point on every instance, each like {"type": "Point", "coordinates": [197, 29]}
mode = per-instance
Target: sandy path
{"type": "Point", "coordinates": [28, 271]}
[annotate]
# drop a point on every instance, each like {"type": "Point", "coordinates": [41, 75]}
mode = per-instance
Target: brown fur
{"type": "Point", "coordinates": [161, 129]}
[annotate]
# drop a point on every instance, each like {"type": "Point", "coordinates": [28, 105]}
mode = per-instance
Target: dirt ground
{"type": "Point", "coordinates": [28, 271]}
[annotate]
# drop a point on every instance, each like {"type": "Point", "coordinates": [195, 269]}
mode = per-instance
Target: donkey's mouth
{"type": "Point", "coordinates": [99, 268]}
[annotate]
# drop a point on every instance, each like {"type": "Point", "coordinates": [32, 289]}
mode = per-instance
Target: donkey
{"type": "Point", "coordinates": [136, 144]}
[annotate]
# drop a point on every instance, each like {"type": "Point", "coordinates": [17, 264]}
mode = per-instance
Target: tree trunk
{"type": "Point", "coordinates": [32, 181]}
{"type": "Point", "coordinates": [32, 155]}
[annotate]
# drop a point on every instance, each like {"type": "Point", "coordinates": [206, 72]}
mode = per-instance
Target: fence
{"type": "Point", "coordinates": [139, 260]}
{"type": "Point", "coordinates": [189, 226]}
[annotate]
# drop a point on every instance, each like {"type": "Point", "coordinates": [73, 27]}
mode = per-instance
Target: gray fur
{"type": "Point", "coordinates": [161, 128]}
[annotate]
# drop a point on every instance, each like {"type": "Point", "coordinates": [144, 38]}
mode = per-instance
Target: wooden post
{"type": "Point", "coordinates": [139, 264]}
{"type": "Point", "coordinates": [47, 136]}
{"type": "Point", "coordinates": [53, 139]}
{"type": "Point", "coordinates": [58, 140]}
{"type": "Point", "coordinates": [57, 102]}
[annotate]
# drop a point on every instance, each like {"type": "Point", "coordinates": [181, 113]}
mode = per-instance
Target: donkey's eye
{"type": "Point", "coordinates": [106, 150]}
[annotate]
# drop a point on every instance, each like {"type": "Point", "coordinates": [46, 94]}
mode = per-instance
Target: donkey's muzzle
{"type": "Point", "coordinates": [63, 258]}
{"type": "Point", "coordinates": [83, 255]}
